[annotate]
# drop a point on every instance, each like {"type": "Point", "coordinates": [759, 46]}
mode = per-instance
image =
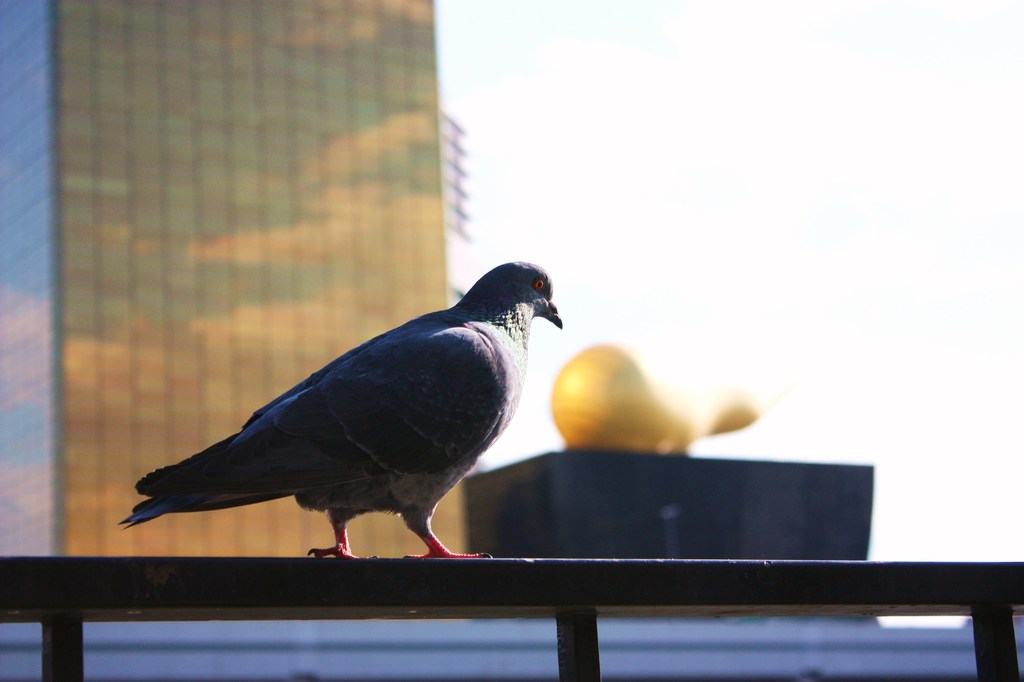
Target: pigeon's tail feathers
{"type": "Point", "coordinates": [148, 483]}
{"type": "Point", "coordinates": [158, 506]}
{"type": "Point", "coordinates": [147, 510]}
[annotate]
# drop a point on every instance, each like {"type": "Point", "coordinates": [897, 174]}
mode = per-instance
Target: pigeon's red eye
{"type": "Point", "coordinates": [538, 284]}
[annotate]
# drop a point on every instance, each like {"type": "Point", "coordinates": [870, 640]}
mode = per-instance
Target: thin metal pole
{"type": "Point", "coordinates": [62, 650]}
{"type": "Point", "coordinates": [579, 656]}
{"type": "Point", "coordinates": [995, 647]}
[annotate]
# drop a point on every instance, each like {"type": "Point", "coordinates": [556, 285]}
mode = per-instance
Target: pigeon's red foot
{"type": "Point", "coordinates": [439, 551]}
{"type": "Point", "coordinates": [449, 555]}
{"type": "Point", "coordinates": [340, 549]}
{"type": "Point", "coordinates": [340, 552]}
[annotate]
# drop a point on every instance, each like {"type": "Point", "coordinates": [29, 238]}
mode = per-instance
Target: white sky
{"type": "Point", "coordinates": [823, 195]}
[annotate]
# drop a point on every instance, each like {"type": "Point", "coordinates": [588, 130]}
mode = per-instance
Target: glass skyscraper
{"type": "Point", "coordinates": [200, 204]}
{"type": "Point", "coordinates": [29, 428]}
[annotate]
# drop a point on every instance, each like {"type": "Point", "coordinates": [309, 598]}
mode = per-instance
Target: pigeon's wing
{"type": "Point", "coordinates": [461, 397]}
{"type": "Point", "coordinates": [312, 380]}
{"type": "Point", "coordinates": [426, 400]}
{"type": "Point", "coordinates": [262, 459]}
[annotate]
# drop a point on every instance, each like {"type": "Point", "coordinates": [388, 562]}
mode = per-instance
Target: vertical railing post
{"type": "Point", "coordinates": [579, 657]}
{"type": "Point", "coordinates": [995, 647]}
{"type": "Point", "coordinates": [62, 650]}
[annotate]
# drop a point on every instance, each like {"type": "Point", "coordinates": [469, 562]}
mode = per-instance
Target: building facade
{"type": "Point", "coordinates": [203, 202]}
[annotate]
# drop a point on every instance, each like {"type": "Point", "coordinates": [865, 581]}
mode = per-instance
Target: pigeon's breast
{"type": "Point", "coordinates": [507, 361]}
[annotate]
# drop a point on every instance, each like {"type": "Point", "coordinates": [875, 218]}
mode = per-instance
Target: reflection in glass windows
{"type": "Point", "coordinates": [28, 412]}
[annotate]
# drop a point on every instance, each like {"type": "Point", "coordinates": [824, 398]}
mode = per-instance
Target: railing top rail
{"type": "Point", "coordinates": [155, 588]}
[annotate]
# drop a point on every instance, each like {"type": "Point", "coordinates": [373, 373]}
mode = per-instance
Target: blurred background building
{"type": "Point", "coordinates": [464, 267]}
{"type": "Point", "coordinates": [202, 203]}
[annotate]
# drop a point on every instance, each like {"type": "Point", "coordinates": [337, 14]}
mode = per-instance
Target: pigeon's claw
{"type": "Point", "coordinates": [339, 524]}
{"type": "Point", "coordinates": [449, 555]}
{"type": "Point", "coordinates": [438, 551]}
{"type": "Point", "coordinates": [339, 551]}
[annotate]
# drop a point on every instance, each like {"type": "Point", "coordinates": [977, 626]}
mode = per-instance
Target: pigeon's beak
{"type": "Point", "coordinates": [550, 313]}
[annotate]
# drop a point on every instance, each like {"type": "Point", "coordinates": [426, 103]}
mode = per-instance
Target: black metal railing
{"type": "Point", "coordinates": [63, 592]}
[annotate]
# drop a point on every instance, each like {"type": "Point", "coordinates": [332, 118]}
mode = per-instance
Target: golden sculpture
{"type": "Point", "coordinates": [605, 398]}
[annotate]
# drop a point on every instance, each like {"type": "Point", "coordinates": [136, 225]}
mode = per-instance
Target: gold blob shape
{"type": "Point", "coordinates": [735, 410]}
{"type": "Point", "coordinates": [606, 399]}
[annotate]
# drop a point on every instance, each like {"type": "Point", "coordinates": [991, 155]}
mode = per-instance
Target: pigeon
{"type": "Point", "coordinates": [390, 426]}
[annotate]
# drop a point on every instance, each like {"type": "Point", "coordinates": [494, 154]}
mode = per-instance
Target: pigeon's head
{"type": "Point", "coordinates": [514, 287]}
